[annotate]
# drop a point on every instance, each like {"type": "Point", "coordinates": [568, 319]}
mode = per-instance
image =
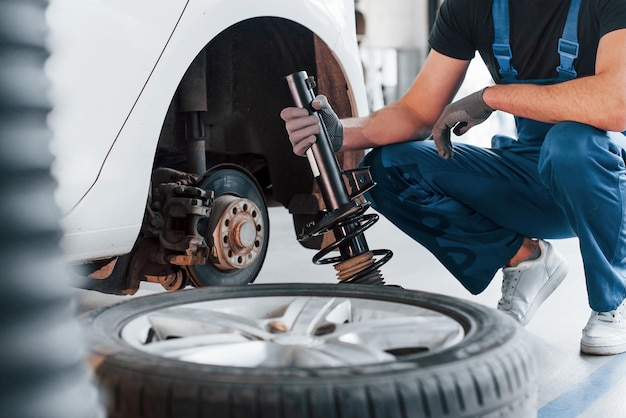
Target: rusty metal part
{"type": "Point", "coordinates": [196, 253]}
{"type": "Point", "coordinates": [186, 226]}
{"type": "Point", "coordinates": [174, 281]}
{"type": "Point", "coordinates": [174, 213]}
{"type": "Point", "coordinates": [147, 264]}
{"type": "Point", "coordinates": [104, 272]}
{"type": "Point", "coordinates": [187, 260]}
{"type": "Point", "coordinates": [351, 267]}
{"type": "Point", "coordinates": [183, 208]}
{"type": "Point", "coordinates": [237, 230]}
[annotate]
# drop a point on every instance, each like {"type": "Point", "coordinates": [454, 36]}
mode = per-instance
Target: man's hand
{"type": "Point", "coordinates": [459, 116]}
{"type": "Point", "coordinates": [302, 127]}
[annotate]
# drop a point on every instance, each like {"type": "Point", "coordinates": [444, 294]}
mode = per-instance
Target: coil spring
{"type": "Point", "coordinates": [362, 268]}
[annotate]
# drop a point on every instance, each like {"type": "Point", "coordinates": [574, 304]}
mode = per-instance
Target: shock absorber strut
{"type": "Point", "coordinates": [344, 214]}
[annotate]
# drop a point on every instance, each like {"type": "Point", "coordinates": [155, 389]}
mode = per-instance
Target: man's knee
{"type": "Point", "coordinates": [569, 147]}
{"type": "Point", "coordinates": [569, 142]}
{"type": "Point", "coordinates": [373, 160]}
{"type": "Point", "coordinates": [385, 162]}
{"type": "Point", "coordinates": [395, 170]}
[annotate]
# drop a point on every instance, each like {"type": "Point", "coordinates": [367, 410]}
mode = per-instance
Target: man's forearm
{"type": "Point", "coordinates": [598, 100]}
{"type": "Point", "coordinates": [591, 100]}
{"type": "Point", "coordinates": [394, 123]}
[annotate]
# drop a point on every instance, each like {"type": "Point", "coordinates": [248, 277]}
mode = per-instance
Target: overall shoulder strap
{"type": "Point", "coordinates": [567, 49]}
{"type": "Point", "coordinates": [568, 43]}
{"type": "Point", "coordinates": [501, 45]}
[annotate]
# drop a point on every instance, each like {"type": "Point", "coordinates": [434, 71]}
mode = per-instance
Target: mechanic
{"type": "Point", "coordinates": [560, 68]}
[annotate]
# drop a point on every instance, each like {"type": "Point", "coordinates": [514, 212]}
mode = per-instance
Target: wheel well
{"type": "Point", "coordinates": [244, 66]}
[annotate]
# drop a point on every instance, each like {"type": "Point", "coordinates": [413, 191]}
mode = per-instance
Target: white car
{"type": "Point", "coordinates": [168, 142]}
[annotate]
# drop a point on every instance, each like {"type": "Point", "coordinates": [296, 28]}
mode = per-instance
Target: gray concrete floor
{"type": "Point", "coordinates": [570, 384]}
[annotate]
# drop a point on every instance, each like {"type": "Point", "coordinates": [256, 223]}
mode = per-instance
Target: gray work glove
{"type": "Point", "coordinates": [302, 127]}
{"type": "Point", "coordinates": [459, 116]}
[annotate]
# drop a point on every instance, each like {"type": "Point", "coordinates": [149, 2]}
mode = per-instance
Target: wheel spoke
{"type": "Point", "coordinates": [389, 333]}
{"type": "Point", "coordinates": [178, 347]}
{"type": "Point", "coordinates": [185, 321]}
{"type": "Point", "coordinates": [246, 354]}
{"type": "Point", "coordinates": [336, 353]}
{"type": "Point", "coordinates": [304, 315]}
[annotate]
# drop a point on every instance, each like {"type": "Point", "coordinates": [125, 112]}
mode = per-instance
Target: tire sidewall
{"type": "Point", "coordinates": [486, 331]}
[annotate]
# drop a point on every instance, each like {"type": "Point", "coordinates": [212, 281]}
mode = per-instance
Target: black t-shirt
{"type": "Point", "coordinates": [463, 27]}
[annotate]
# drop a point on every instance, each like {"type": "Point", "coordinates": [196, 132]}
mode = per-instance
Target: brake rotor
{"type": "Point", "coordinates": [245, 235]}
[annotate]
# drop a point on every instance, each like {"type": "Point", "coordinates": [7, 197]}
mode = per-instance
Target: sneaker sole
{"type": "Point", "coordinates": [557, 278]}
{"type": "Point", "coordinates": [602, 350]}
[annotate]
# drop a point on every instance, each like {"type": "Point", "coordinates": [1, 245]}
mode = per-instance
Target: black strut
{"type": "Point", "coordinates": [344, 214]}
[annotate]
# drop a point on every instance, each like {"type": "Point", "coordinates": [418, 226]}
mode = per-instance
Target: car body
{"type": "Point", "coordinates": [131, 80]}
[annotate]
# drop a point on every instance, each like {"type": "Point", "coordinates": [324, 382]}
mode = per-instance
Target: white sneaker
{"type": "Point", "coordinates": [605, 333]}
{"type": "Point", "coordinates": [526, 286]}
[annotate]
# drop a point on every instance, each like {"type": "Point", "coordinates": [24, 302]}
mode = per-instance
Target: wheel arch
{"type": "Point", "coordinates": [245, 96]}
{"type": "Point", "coordinates": [147, 123]}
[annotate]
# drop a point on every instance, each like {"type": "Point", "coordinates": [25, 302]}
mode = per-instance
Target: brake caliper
{"type": "Point", "coordinates": [193, 227]}
{"type": "Point", "coordinates": [175, 212]}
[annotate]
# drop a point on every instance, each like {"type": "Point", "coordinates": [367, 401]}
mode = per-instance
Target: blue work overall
{"type": "Point", "coordinates": [554, 181]}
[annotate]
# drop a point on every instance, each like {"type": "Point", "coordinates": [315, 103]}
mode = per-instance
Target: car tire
{"type": "Point", "coordinates": [488, 372]}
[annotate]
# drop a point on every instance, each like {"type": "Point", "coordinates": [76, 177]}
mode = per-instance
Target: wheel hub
{"type": "Point", "coordinates": [237, 232]}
